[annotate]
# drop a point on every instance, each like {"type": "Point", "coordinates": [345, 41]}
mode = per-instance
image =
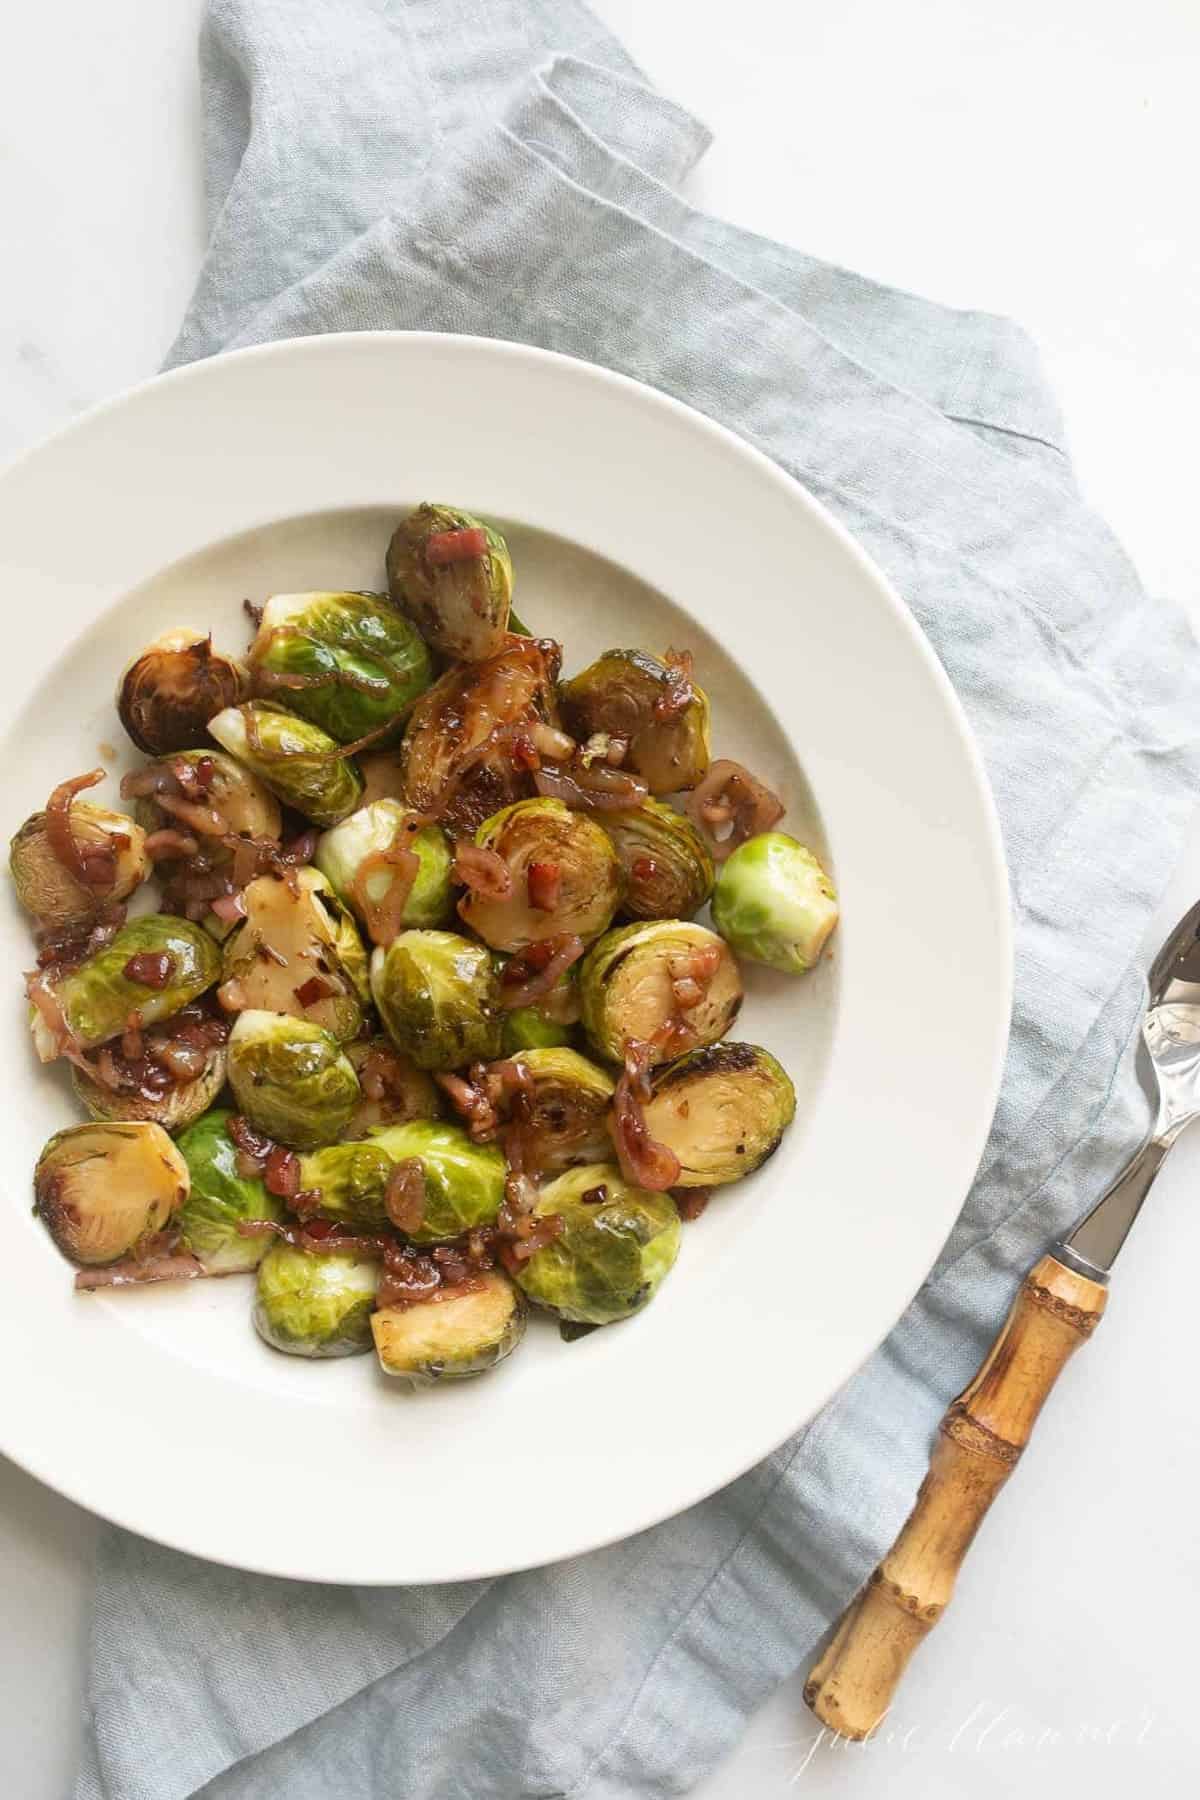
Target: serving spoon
{"type": "Point", "coordinates": [984, 1431]}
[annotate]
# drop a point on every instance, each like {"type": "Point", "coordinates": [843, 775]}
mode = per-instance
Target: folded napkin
{"type": "Point", "coordinates": [503, 168]}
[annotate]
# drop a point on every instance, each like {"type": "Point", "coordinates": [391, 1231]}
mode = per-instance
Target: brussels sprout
{"type": "Point", "coordinates": [625, 694]}
{"type": "Point", "coordinates": [394, 1090]}
{"type": "Point", "coordinates": [451, 762]}
{"type": "Point", "coordinates": [296, 759]}
{"type": "Point", "coordinates": [150, 969]}
{"type": "Point", "coordinates": [668, 869]}
{"type": "Point", "coordinates": [453, 577]}
{"type": "Point", "coordinates": [347, 1182]}
{"type": "Point", "coordinates": [220, 1199]}
{"type": "Point", "coordinates": [438, 997]}
{"type": "Point", "coordinates": [451, 1336]}
{"type": "Point", "coordinates": [170, 691]}
{"type": "Point", "coordinates": [565, 876]}
{"type": "Point", "coordinates": [616, 1244]}
{"type": "Point", "coordinates": [464, 1182]}
{"type": "Point", "coordinates": [49, 890]}
{"type": "Point", "coordinates": [315, 1303]}
{"type": "Point", "coordinates": [100, 1188]}
{"type": "Point", "coordinates": [569, 1099]}
{"type": "Point", "coordinates": [353, 857]}
{"type": "Point", "coordinates": [289, 955]}
{"type": "Point", "coordinates": [244, 806]}
{"type": "Point", "coordinates": [348, 662]}
{"type": "Point", "coordinates": [173, 1108]}
{"type": "Point", "coordinates": [775, 903]}
{"type": "Point", "coordinates": [667, 983]}
{"type": "Point", "coordinates": [290, 1078]}
{"type": "Point", "coordinates": [528, 1028]}
{"type": "Point", "coordinates": [721, 1110]}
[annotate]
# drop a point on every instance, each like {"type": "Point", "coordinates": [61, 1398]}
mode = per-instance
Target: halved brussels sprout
{"type": "Point", "coordinates": [354, 858]}
{"type": "Point", "coordinates": [243, 804]}
{"type": "Point", "coordinates": [289, 955]}
{"type": "Point", "coordinates": [775, 903]}
{"type": "Point", "coordinates": [438, 996]}
{"type": "Point", "coordinates": [170, 691]}
{"type": "Point", "coordinates": [669, 872]}
{"type": "Point", "coordinates": [453, 577]}
{"type": "Point", "coordinates": [290, 1078]}
{"type": "Point", "coordinates": [393, 1089]}
{"type": "Point", "coordinates": [349, 662]}
{"type": "Point", "coordinates": [296, 759]}
{"type": "Point", "coordinates": [49, 890]}
{"type": "Point", "coordinates": [150, 969]}
{"type": "Point", "coordinates": [464, 1182]}
{"type": "Point", "coordinates": [569, 1099]}
{"type": "Point", "coordinates": [565, 876]}
{"type": "Point", "coordinates": [315, 1303]}
{"type": "Point", "coordinates": [661, 715]}
{"type": "Point", "coordinates": [722, 1111]}
{"type": "Point", "coordinates": [221, 1199]}
{"type": "Point", "coordinates": [173, 1108]}
{"type": "Point", "coordinates": [616, 1244]}
{"type": "Point", "coordinates": [448, 770]}
{"type": "Point", "coordinates": [667, 983]}
{"type": "Point", "coordinates": [452, 1336]}
{"type": "Point", "coordinates": [101, 1188]}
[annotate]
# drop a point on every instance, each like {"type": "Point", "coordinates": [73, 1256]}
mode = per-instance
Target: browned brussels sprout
{"type": "Point", "coordinates": [173, 688]}
{"type": "Point", "coordinates": [75, 857]}
{"type": "Point", "coordinates": [100, 1188]}
{"type": "Point", "coordinates": [560, 872]}
{"type": "Point", "coordinates": [721, 1111]}
{"type": "Point", "coordinates": [653, 707]}
{"type": "Point", "coordinates": [668, 870]}
{"type": "Point", "coordinates": [452, 575]}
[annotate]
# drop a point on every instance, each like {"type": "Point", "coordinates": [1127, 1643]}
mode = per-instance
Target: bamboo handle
{"type": "Point", "coordinates": [983, 1433]}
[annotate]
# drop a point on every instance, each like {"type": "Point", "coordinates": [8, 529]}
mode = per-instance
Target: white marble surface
{"type": "Point", "coordinates": [1029, 158]}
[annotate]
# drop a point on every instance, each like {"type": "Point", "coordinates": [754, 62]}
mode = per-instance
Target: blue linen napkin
{"type": "Point", "coordinates": [503, 168]}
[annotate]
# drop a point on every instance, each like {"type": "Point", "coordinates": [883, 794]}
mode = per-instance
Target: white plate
{"type": "Point", "coordinates": [633, 520]}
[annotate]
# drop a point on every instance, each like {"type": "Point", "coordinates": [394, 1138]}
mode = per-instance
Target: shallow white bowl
{"type": "Point", "coordinates": [632, 521]}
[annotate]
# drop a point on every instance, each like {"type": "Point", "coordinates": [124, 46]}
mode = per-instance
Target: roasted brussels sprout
{"type": "Point", "coordinates": [667, 983]}
{"type": "Point", "coordinates": [566, 1120]}
{"type": "Point", "coordinates": [172, 689]}
{"type": "Point", "coordinates": [721, 1110]}
{"type": "Point", "coordinates": [349, 662]}
{"type": "Point", "coordinates": [221, 1199]}
{"type": "Point", "coordinates": [654, 707]}
{"type": "Point", "coordinates": [315, 1303]}
{"type": "Point", "coordinates": [296, 759]}
{"type": "Point", "coordinates": [438, 996]}
{"type": "Point", "coordinates": [564, 874]}
{"type": "Point", "coordinates": [668, 870]}
{"type": "Point", "coordinates": [775, 903]}
{"type": "Point", "coordinates": [464, 1182]}
{"type": "Point", "coordinates": [105, 841]}
{"type": "Point", "coordinates": [101, 1188]}
{"type": "Point", "coordinates": [290, 954]}
{"type": "Point", "coordinates": [150, 969]}
{"type": "Point", "coordinates": [347, 1182]}
{"type": "Point", "coordinates": [365, 860]}
{"type": "Point", "coordinates": [393, 1089]}
{"type": "Point", "coordinates": [290, 1078]}
{"type": "Point", "coordinates": [216, 783]}
{"type": "Point", "coordinates": [452, 575]}
{"type": "Point", "coordinates": [615, 1246]}
{"type": "Point", "coordinates": [169, 1103]}
{"type": "Point", "coordinates": [453, 764]}
{"type": "Point", "coordinates": [451, 1336]}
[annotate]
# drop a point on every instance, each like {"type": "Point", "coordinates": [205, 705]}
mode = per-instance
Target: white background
{"type": "Point", "coordinates": [1037, 159]}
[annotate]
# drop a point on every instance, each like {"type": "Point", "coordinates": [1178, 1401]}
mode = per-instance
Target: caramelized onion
{"type": "Point", "coordinates": [597, 788]}
{"type": "Point", "coordinates": [482, 871]}
{"type": "Point", "coordinates": [644, 1161]}
{"type": "Point", "coordinates": [404, 1196]}
{"type": "Point", "coordinates": [730, 795]}
{"type": "Point", "coordinates": [532, 974]}
{"type": "Point", "coordinates": [95, 867]}
{"type": "Point", "coordinates": [134, 1271]}
{"type": "Point", "coordinates": [384, 919]}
